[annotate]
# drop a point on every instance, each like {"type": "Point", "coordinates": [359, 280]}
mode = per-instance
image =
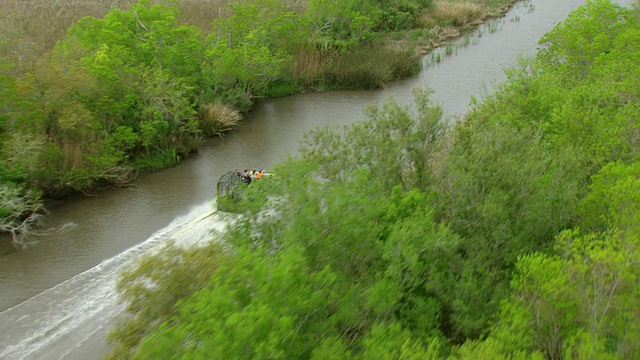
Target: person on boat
{"type": "Point", "coordinates": [247, 176]}
{"type": "Point", "coordinates": [259, 174]}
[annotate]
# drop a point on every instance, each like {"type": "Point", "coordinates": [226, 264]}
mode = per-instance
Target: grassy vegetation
{"type": "Point", "coordinates": [452, 13]}
{"type": "Point", "coordinates": [368, 67]}
{"type": "Point", "coordinates": [217, 118]}
{"type": "Point", "coordinates": [446, 20]}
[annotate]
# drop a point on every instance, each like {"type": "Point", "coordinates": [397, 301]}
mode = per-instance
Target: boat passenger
{"type": "Point", "coordinates": [246, 176]}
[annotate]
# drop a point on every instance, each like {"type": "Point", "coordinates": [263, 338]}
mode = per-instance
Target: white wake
{"type": "Point", "coordinates": [82, 305]}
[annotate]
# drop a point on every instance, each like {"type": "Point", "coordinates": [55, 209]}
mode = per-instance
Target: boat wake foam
{"type": "Point", "coordinates": [88, 302]}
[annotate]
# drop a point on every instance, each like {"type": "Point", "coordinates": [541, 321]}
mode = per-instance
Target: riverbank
{"type": "Point", "coordinates": [446, 26]}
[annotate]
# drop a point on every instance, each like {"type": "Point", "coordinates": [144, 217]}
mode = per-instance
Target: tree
{"type": "Point", "coordinates": [154, 287]}
{"type": "Point", "coordinates": [579, 90]}
{"type": "Point", "coordinates": [422, 260]}
{"type": "Point", "coordinates": [490, 349]}
{"type": "Point", "coordinates": [260, 306]}
{"type": "Point", "coordinates": [148, 68]}
{"type": "Point", "coordinates": [578, 303]}
{"type": "Point", "coordinates": [391, 341]}
{"type": "Point", "coordinates": [148, 35]}
{"type": "Point", "coordinates": [395, 144]}
{"type": "Point", "coordinates": [573, 46]}
{"type": "Point", "coordinates": [20, 211]}
{"type": "Point", "coordinates": [613, 199]}
{"type": "Point", "coordinates": [338, 24]}
{"type": "Point", "coordinates": [254, 46]}
{"type": "Point", "coordinates": [504, 193]}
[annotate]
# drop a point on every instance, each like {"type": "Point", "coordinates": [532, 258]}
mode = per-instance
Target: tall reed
{"type": "Point", "coordinates": [451, 13]}
{"type": "Point", "coordinates": [369, 67]}
{"type": "Point", "coordinates": [39, 24]}
{"type": "Point", "coordinates": [217, 118]}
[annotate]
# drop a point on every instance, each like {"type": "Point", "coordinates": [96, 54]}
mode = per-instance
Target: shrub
{"type": "Point", "coordinates": [280, 88]}
{"type": "Point", "coordinates": [155, 161]}
{"type": "Point", "coordinates": [153, 287]}
{"type": "Point", "coordinates": [20, 211]}
{"type": "Point", "coordinates": [217, 118]}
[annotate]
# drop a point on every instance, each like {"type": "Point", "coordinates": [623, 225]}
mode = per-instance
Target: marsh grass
{"type": "Point", "coordinates": [73, 154]}
{"type": "Point", "coordinates": [202, 13]}
{"type": "Point", "coordinates": [217, 118]}
{"type": "Point", "coordinates": [370, 67]}
{"type": "Point", "coordinates": [454, 13]}
{"type": "Point", "coordinates": [308, 67]}
{"type": "Point", "coordinates": [41, 23]}
{"type": "Point", "coordinates": [357, 71]}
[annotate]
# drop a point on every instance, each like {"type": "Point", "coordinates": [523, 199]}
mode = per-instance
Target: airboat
{"type": "Point", "coordinates": [230, 188]}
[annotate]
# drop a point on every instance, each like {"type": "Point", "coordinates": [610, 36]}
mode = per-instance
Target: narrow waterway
{"type": "Point", "coordinates": [57, 298]}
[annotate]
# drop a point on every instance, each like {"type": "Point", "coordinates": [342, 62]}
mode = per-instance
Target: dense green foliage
{"type": "Point", "coordinates": [510, 235]}
{"type": "Point", "coordinates": [138, 89]}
